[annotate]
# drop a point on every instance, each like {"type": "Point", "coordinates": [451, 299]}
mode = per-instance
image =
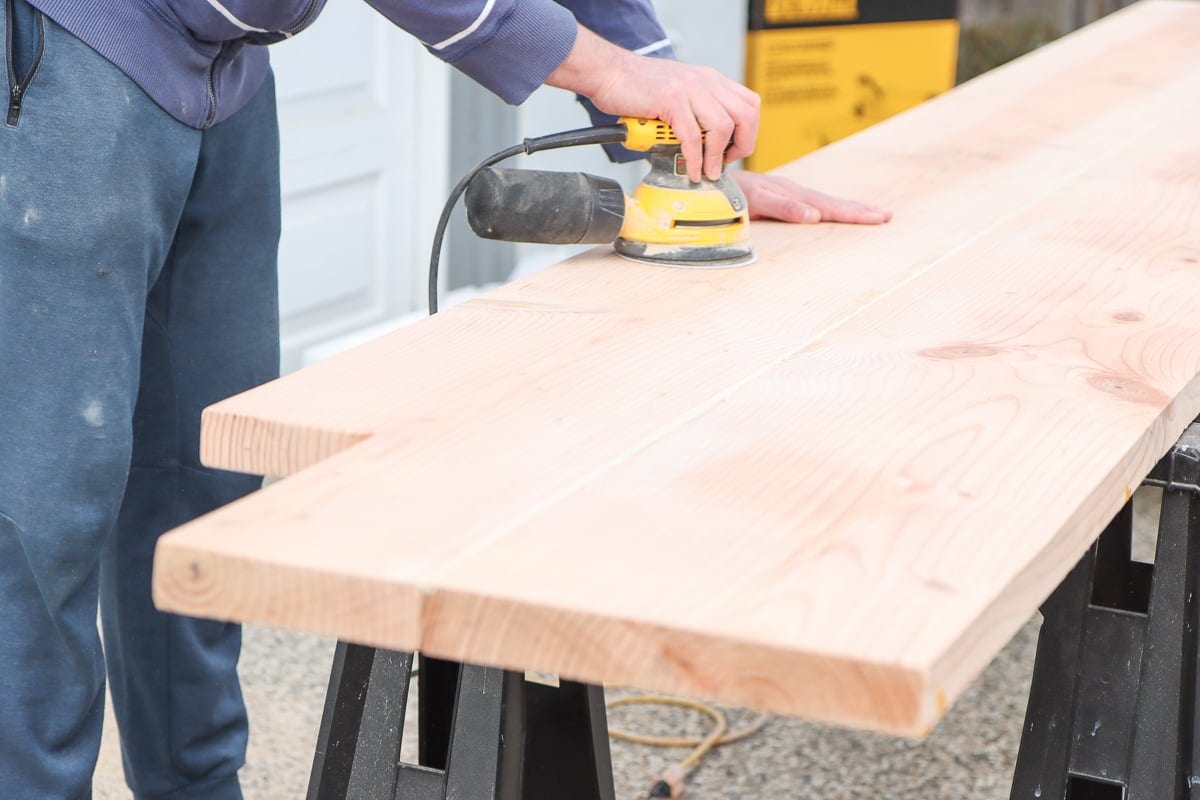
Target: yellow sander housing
{"type": "Point", "coordinates": [669, 219]}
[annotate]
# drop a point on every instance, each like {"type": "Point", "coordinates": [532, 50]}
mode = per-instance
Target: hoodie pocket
{"type": "Point", "coordinates": [24, 45]}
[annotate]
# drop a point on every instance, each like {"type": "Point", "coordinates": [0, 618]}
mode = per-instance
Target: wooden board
{"type": "Point", "coordinates": [832, 483]}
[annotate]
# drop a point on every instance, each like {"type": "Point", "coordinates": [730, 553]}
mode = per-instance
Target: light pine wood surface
{"type": "Point", "coordinates": [832, 483]}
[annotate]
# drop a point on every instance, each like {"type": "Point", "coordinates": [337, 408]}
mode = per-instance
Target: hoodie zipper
{"type": "Point", "coordinates": [210, 83]}
{"type": "Point", "coordinates": [212, 95]}
{"type": "Point", "coordinates": [17, 90]}
{"type": "Point", "coordinates": [210, 77]}
{"type": "Point", "coordinates": [304, 20]}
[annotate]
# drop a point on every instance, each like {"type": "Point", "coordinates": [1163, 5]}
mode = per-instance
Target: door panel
{"type": "Point", "coordinates": [334, 227]}
{"type": "Point", "coordinates": [351, 92]}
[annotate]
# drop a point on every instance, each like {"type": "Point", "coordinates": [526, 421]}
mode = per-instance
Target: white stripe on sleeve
{"type": "Point", "coordinates": [467, 31]}
{"type": "Point", "coordinates": [227, 14]}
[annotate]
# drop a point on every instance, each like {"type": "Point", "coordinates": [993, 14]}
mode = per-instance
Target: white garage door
{"type": "Point", "coordinates": [363, 124]}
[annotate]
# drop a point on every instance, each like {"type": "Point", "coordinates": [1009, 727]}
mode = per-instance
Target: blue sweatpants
{"type": "Point", "coordinates": [137, 285]}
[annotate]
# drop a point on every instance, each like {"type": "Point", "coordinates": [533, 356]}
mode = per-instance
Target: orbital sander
{"type": "Point", "coordinates": [669, 220]}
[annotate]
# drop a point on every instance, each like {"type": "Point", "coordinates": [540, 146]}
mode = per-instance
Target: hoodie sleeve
{"type": "Point", "coordinates": [633, 24]}
{"type": "Point", "coordinates": [511, 46]}
{"type": "Point", "coordinates": [507, 46]}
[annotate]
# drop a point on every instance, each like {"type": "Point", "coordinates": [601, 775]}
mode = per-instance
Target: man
{"type": "Point", "coordinates": [139, 220]}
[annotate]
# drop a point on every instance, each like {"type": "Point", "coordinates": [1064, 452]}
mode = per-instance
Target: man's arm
{"type": "Point", "coordinates": [507, 46]}
{"type": "Point", "coordinates": [513, 46]}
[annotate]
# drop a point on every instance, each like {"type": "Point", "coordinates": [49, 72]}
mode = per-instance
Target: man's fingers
{"type": "Point", "coordinates": [766, 203]}
{"type": "Point", "coordinates": [691, 99]}
{"type": "Point", "coordinates": [718, 129]}
{"type": "Point", "coordinates": [748, 95]}
{"type": "Point", "coordinates": [834, 209]}
{"type": "Point", "coordinates": [745, 118]}
{"type": "Point", "coordinates": [860, 214]}
{"type": "Point", "coordinates": [691, 141]}
{"type": "Point", "coordinates": [726, 113]}
{"type": "Point", "coordinates": [736, 111]}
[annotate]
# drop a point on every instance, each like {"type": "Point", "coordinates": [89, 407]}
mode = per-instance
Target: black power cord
{"type": "Point", "coordinates": [600, 134]}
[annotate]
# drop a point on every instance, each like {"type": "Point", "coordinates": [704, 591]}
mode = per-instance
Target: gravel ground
{"type": "Point", "coordinates": [970, 754]}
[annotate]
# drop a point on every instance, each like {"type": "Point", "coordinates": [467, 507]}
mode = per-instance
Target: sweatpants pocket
{"type": "Point", "coordinates": [24, 46]}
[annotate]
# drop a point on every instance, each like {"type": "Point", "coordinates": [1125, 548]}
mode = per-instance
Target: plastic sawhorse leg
{"type": "Point", "coordinates": [1112, 706]}
{"type": "Point", "coordinates": [484, 734]}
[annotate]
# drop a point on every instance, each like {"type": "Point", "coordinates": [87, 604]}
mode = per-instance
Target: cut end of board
{"type": "Point", "coordinates": [257, 446]}
{"type": "Point", "coordinates": [200, 582]}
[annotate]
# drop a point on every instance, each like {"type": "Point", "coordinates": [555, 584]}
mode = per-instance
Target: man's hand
{"type": "Point", "coordinates": [775, 197]}
{"type": "Point", "coordinates": [689, 98]}
{"type": "Point", "coordinates": [695, 100]}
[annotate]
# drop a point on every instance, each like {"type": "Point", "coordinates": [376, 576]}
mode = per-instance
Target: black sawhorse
{"type": "Point", "coordinates": [483, 734]}
{"type": "Point", "coordinates": [1112, 707]}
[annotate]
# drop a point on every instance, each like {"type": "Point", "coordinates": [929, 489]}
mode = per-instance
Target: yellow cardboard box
{"type": "Point", "coordinates": [828, 68]}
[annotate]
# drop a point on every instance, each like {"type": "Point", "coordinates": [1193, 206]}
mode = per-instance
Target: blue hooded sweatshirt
{"type": "Point", "coordinates": [202, 60]}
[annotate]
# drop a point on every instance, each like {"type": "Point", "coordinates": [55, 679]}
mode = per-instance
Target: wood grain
{"type": "Point", "coordinates": [960, 460]}
{"type": "Point", "coordinates": [832, 483]}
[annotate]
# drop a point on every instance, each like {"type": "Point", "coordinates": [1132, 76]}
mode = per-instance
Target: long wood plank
{"type": "Point", "coordinates": [562, 425]}
{"type": "Point", "coordinates": [897, 496]}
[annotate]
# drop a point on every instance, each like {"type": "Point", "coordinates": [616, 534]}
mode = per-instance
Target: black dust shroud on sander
{"type": "Point", "coordinates": [669, 220]}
